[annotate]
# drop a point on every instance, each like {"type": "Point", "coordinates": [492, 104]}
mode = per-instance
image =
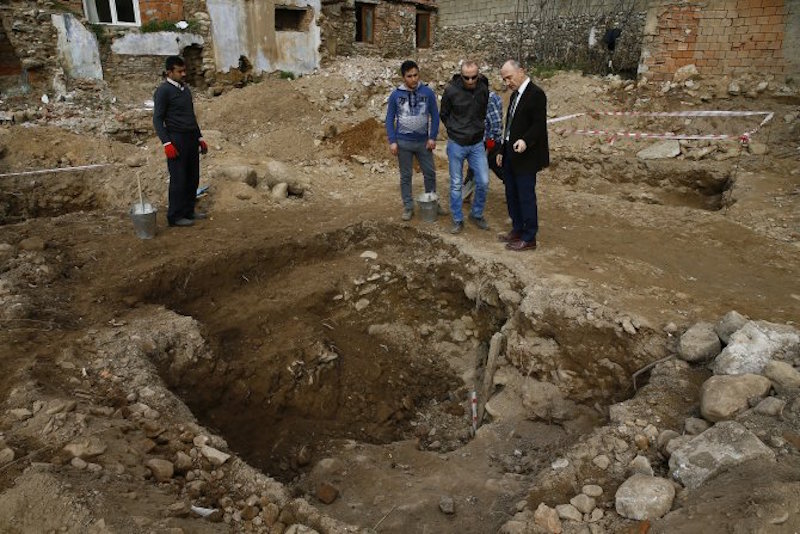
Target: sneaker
{"type": "Point", "coordinates": [458, 226]}
{"type": "Point", "coordinates": [480, 222]}
{"type": "Point", "coordinates": [441, 210]}
{"type": "Point", "coordinates": [182, 222]}
{"type": "Point", "coordinates": [408, 213]}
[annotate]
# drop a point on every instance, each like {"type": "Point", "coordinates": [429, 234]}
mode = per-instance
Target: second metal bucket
{"type": "Point", "coordinates": [428, 206]}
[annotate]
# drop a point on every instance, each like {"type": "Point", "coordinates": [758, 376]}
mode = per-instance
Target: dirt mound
{"type": "Point", "coordinates": [366, 139]}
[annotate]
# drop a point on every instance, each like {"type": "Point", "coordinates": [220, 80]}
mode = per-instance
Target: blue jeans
{"type": "Point", "coordinates": [406, 151]}
{"type": "Point", "coordinates": [476, 157]}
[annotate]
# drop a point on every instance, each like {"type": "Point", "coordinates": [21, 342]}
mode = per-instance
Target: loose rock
{"type": "Point", "coordinates": [695, 425]}
{"type": "Point", "coordinates": [782, 374]}
{"type": "Point", "coordinates": [770, 406]}
{"type": "Point", "coordinates": [216, 457]}
{"type": "Point", "coordinates": [730, 323]}
{"type": "Point", "coordinates": [722, 397]}
{"type": "Point", "coordinates": [699, 343]}
{"type": "Point", "coordinates": [327, 493]}
{"type": "Point", "coordinates": [162, 469]}
{"type": "Point", "coordinates": [583, 503]}
{"type": "Point", "coordinates": [567, 511]}
{"type": "Point", "coordinates": [719, 448]}
{"type": "Point", "coordinates": [547, 518]}
{"type": "Point", "coordinates": [447, 505]}
{"type": "Point", "coordinates": [644, 497]}
{"type": "Point", "coordinates": [753, 346]}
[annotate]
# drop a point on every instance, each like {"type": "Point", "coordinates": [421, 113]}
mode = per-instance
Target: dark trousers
{"type": "Point", "coordinates": [520, 199]}
{"type": "Point", "coordinates": [184, 176]}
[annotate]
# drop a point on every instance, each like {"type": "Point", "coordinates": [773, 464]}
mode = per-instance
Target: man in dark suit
{"type": "Point", "coordinates": [525, 152]}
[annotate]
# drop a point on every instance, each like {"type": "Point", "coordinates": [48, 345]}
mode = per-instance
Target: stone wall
{"type": "Point", "coordinates": [394, 32]}
{"type": "Point", "coordinates": [725, 37]}
{"type": "Point", "coordinates": [567, 33]}
{"type": "Point", "coordinates": [32, 39]}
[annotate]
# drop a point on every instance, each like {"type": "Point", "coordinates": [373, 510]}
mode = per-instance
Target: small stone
{"type": "Point", "coordinates": [561, 463]}
{"type": "Point", "coordinates": [547, 518]}
{"type": "Point", "coordinates": [568, 511]}
{"type": "Point", "coordinates": [782, 374]}
{"type": "Point", "coordinates": [601, 461]}
{"type": "Point", "coordinates": [640, 465]}
{"type": "Point", "coordinates": [280, 191]}
{"type": "Point", "coordinates": [78, 463]}
{"type": "Point", "coordinates": [583, 503]}
{"type": "Point", "coordinates": [369, 255]}
{"type": "Point", "coordinates": [730, 323]}
{"type": "Point", "coordinates": [361, 304]}
{"type": "Point", "coordinates": [20, 414]}
{"type": "Point", "coordinates": [162, 469]}
{"type": "Point", "coordinates": [447, 505]}
{"type": "Point", "coordinates": [179, 509]}
{"type": "Point", "coordinates": [664, 437]}
{"type": "Point", "coordinates": [183, 462]}
{"type": "Point", "coordinates": [676, 443]}
{"type": "Point", "coordinates": [327, 493]}
{"type": "Point", "coordinates": [592, 490]}
{"type": "Point", "coordinates": [86, 447]}
{"type": "Point", "coordinates": [772, 406]}
{"type": "Point", "coordinates": [32, 243]}
{"type": "Point", "coordinates": [216, 457]}
{"type": "Point", "coordinates": [642, 443]}
{"type": "Point", "coordinates": [695, 426]}
{"type": "Point", "coordinates": [597, 515]}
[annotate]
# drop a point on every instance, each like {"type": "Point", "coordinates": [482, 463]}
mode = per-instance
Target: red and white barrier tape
{"type": "Point", "coordinates": [743, 138]}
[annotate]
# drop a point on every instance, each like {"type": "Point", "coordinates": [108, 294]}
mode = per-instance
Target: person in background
{"type": "Point", "coordinates": [176, 126]}
{"type": "Point", "coordinates": [525, 151]}
{"type": "Point", "coordinates": [464, 105]}
{"type": "Point", "coordinates": [492, 139]}
{"type": "Point", "coordinates": [412, 124]}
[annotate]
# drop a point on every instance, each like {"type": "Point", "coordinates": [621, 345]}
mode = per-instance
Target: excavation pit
{"type": "Point", "coordinates": [30, 197]}
{"type": "Point", "coordinates": [361, 348]}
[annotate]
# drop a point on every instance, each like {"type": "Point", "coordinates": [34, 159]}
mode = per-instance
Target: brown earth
{"type": "Point", "coordinates": [297, 372]}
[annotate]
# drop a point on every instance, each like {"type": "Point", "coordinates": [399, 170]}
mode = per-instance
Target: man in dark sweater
{"type": "Point", "coordinates": [176, 126]}
{"type": "Point", "coordinates": [463, 112]}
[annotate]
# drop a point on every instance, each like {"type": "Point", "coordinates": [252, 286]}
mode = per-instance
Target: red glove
{"type": "Point", "coordinates": [203, 146]}
{"type": "Point", "coordinates": [170, 151]}
{"type": "Point", "coordinates": [490, 144]}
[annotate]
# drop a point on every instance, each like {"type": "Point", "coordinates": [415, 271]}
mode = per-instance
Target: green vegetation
{"type": "Point", "coordinates": [287, 75]}
{"type": "Point", "coordinates": [99, 31]}
{"type": "Point", "coordinates": [543, 72]}
{"type": "Point", "coordinates": [167, 26]}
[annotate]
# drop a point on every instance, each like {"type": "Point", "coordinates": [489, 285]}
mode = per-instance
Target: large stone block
{"type": "Point", "coordinates": [722, 397]}
{"type": "Point", "coordinates": [725, 445]}
{"type": "Point", "coordinates": [752, 346]}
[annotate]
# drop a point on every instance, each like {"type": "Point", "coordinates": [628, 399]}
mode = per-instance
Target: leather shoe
{"type": "Point", "coordinates": [508, 237]}
{"type": "Point", "coordinates": [520, 245]}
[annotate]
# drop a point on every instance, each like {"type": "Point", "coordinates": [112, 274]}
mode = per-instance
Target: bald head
{"type": "Point", "coordinates": [513, 74]}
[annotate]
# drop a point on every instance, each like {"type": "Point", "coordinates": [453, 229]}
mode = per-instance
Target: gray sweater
{"type": "Point", "coordinates": [173, 111]}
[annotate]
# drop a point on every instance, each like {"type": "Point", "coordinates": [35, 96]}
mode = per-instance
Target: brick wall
{"type": "Point", "coordinates": [168, 10]}
{"type": "Point", "coordinates": [724, 37]}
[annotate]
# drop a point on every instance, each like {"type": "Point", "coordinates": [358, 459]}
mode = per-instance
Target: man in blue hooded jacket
{"type": "Point", "coordinates": [412, 124]}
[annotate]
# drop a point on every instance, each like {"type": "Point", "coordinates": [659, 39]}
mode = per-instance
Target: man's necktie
{"type": "Point", "coordinates": [512, 107]}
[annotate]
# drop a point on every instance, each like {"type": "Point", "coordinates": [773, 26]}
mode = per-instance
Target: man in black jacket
{"type": "Point", "coordinates": [464, 115]}
{"type": "Point", "coordinates": [525, 152]}
{"type": "Point", "coordinates": [176, 125]}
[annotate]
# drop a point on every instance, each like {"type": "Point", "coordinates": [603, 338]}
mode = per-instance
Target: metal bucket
{"type": "Point", "coordinates": [428, 206]}
{"type": "Point", "coordinates": [144, 220]}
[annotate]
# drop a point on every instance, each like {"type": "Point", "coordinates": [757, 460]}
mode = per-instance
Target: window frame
{"type": "Point", "coordinates": [427, 18]}
{"type": "Point", "coordinates": [366, 8]}
{"type": "Point", "coordinates": [91, 14]}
